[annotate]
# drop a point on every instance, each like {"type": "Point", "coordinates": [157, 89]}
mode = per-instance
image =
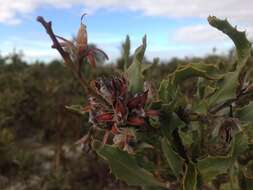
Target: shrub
{"type": "Point", "coordinates": [173, 137]}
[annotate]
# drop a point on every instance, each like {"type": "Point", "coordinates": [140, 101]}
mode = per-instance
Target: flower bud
{"type": "Point", "coordinates": [81, 39]}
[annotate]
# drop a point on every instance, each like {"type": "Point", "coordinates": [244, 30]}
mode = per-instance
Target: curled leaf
{"type": "Point", "coordinates": [125, 167]}
{"type": "Point", "coordinates": [242, 44]}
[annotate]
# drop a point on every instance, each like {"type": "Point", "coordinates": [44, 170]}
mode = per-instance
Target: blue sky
{"type": "Point", "coordinates": [173, 28]}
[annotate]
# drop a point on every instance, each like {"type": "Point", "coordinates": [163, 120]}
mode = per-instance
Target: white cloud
{"type": "Point", "coordinates": [34, 49]}
{"type": "Point", "coordinates": [233, 9]}
{"type": "Point", "coordinates": [199, 34]}
{"type": "Point", "coordinates": [189, 39]}
{"type": "Point", "coordinates": [205, 35]}
{"type": "Point", "coordinates": [31, 49]}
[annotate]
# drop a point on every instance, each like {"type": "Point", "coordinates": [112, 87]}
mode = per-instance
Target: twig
{"type": "Point", "coordinates": [222, 106]}
{"type": "Point", "coordinates": [230, 101]}
{"type": "Point", "coordinates": [56, 44]}
{"type": "Point", "coordinates": [68, 61]}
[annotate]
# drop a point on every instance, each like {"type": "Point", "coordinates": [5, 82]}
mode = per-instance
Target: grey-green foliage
{"type": "Point", "coordinates": [213, 135]}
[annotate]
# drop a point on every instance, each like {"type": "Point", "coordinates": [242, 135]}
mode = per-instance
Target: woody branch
{"type": "Point", "coordinates": [67, 59]}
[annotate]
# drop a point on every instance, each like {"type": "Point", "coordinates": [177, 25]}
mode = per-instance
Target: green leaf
{"type": "Point", "coordinates": [204, 89]}
{"type": "Point", "coordinates": [186, 137]}
{"type": "Point", "coordinates": [174, 160]}
{"type": "Point", "coordinates": [240, 144]}
{"type": "Point", "coordinates": [196, 145]}
{"type": "Point", "coordinates": [154, 122]}
{"type": "Point", "coordinates": [135, 77]}
{"type": "Point", "coordinates": [76, 108]}
{"type": "Point", "coordinates": [124, 166]}
{"type": "Point", "coordinates": [204, 70]}
{"type": "Point", "coordinates": [176, 122]}
{"type": "Point", "coordinates": [210, 167]}
{"type": "Point", "coordinates": [245, 113]}
{"type": "Point", "coordinates": [248, 130]}
{"type": "Point", "coordinates": [190, 177]}
{"type": "Point", "coordinates": [167, 91]}
{"type": "Point", "coordinates": [226, 89]}
{"type": "Point", "coordinates": [126, 48]}
{"type": "Point", "coordinates": [134, 71]}
{"type": "Point", "coordinates": [248, 170]}
{"type": "Point", "coordinates": [140, 51]}
{"type": "Point", "coordinates": [200, 106]}
{"type": "Point", "coordinates": [243, 46]}
{"type": "Point", "coordinates": [169, 122]}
